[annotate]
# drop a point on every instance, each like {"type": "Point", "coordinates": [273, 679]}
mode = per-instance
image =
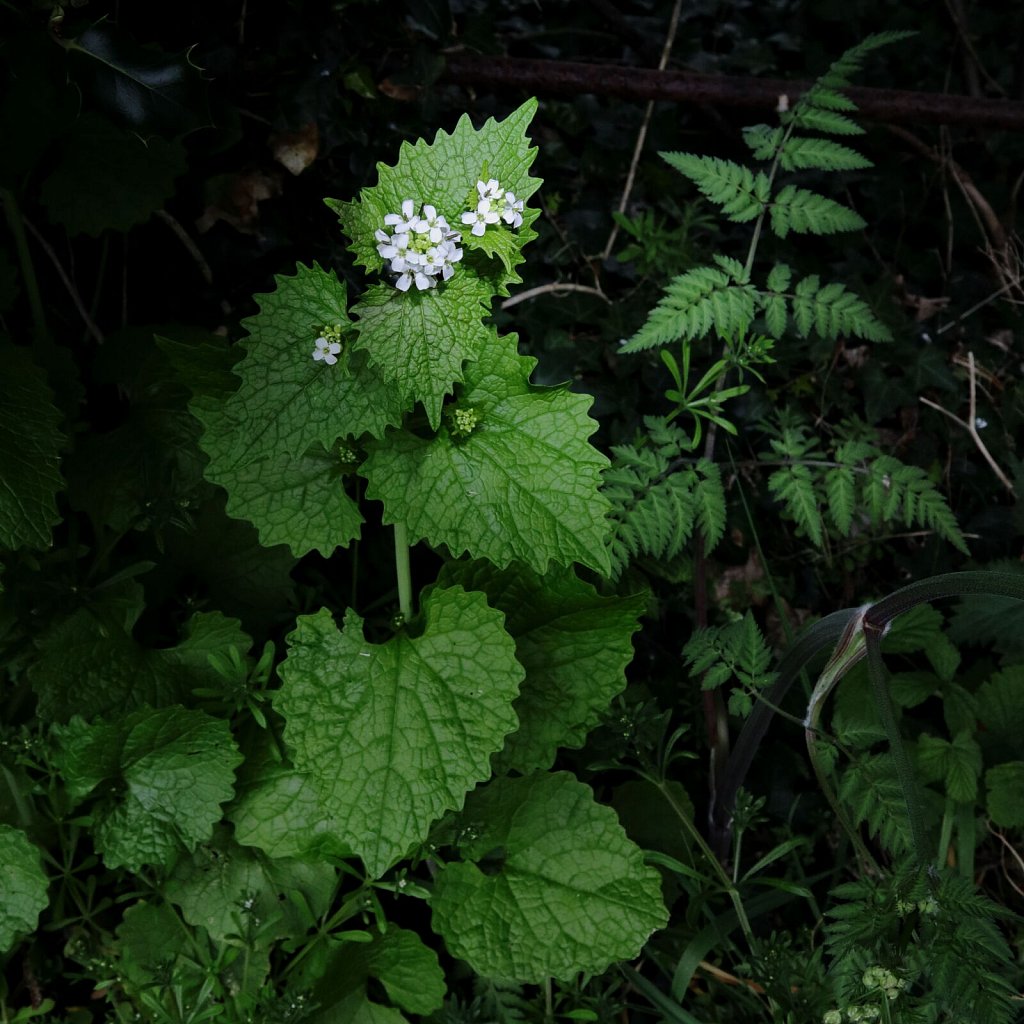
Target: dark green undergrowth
{"type": "Point", "coordinates": [553, 580]}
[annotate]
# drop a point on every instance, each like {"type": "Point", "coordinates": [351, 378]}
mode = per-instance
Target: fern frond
{"type": "Point", "coordinates": [693, 303]}
{"type": "Point", "coordinates": [832, 310]}
{"type": "Point", "coordinates": [740, 192]}
{"type": "Point", "coordinates": [870, 787]}
{"type": "Point", "coordinates": [653, 508]}
{"type": "Point", "coordinates": [806, 212]}
{"type": "Point", "coordinates": [841, 491]}
{"type": "Point", "coordinates": [709, 501]}
{"type": "Point", "coordinates": [793, 485]}
{"type": "Point", "coordinates": [818, 119]}
{"type": "Point", "coordinates": [763, 140]}
{"type": "Point", "coordinates": [843, 68]}
{"type": "Point", "coordinates": [801, 153]}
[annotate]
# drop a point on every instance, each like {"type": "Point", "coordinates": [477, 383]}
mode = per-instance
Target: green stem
{"type": "Point", "coordinates": [403, 571]}
{"type": "Point", "coordinates": [28, 273]}
{"type": "Point", "coordinates": [709, 856]}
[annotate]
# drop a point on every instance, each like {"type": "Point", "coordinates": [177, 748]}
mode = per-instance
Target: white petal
{"type": "Point", "coordinates": [422, 281]}
{"type": "Point", "coordinates": [447, 271]}
{"type": "Point", "coordinates": [407, 209]}
{"type": "Point", "coordinates": [479, 227]}
{"type": "Point", "coordinates": [381, 236]}
{"type": "Point", "coordinates": [399, 264]}
{"type": "Point", "coordinates": [402, 284]}
{"type": "Point", "coordinates": [436, 234]}
{"type": "Point", "coordinates": [392, 218]}
{"type": "Point", "coordinates": [335, 348]}
{"type": "Point", "coordinates": [319, 354]}
{"type": "Point", "coordinates": [330, 360]}
{"type": "Point", "coordinates": [429, 212]}
{"type": "Point", "coordinates": [469, 217]}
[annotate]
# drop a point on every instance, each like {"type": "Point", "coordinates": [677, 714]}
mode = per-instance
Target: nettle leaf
{"type": "Point", "coordinates": [90, 664]}
{"type": "Point", "coordinates": [30, 446]}
{"type": "Point", "coordinates": [271, 444]}
{"type": "Point", "coordinates": [564, 889]}
{"type": "Point", "coordinates": [421, 339]}
{"type": "Point", "coordinates": [23, 886]}
{"type": "Point", "coordinates": [393, 735]}
{"type": "Point", "coordinates": [108, 178]}
{"type": "Point", "coordinates": [524, 485]}
{"type": "Point", "coordinates": [406, 968]}
{"type": "Point", "coordinates": [158, 776]}
{"type": "Point", "coordinates": [221, 883]}
{"type": "Point", "coordinates": [956, 764]}
{"type": "Point", "coordinates": [1005, 803]}
{"type": "Point", "coordinates": [574, 645]}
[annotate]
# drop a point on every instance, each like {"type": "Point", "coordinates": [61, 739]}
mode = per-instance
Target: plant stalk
{"type": "Point", "coordinates": [403, 571]}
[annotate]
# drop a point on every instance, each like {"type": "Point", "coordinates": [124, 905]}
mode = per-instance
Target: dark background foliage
{"type": "Point", "coordinates": [160, 164]}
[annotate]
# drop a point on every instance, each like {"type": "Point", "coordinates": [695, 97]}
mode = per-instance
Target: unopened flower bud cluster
{"type": "Point", "coordinates": [421, 248]}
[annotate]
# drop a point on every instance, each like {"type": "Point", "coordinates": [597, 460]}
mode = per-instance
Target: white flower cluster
{"type": "Point", "coordinates": [494, 204]}
{"type": "Point", "coordinates": [420, 247]}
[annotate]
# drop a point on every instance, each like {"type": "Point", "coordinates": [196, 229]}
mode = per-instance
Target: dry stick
{"type": "Point", "coordinates": [193, 249]}
{"type": "Point", "coordinates": [572, 78]}
{"type": "Point", "coordinates": [1013, 853]}
{"type": "Point", "coordinates": [641, 137]}
{"type": "Point", "coordinates": [555, 287]}
{"type": "Point", "coordinates": [90, 324]}
{"type": "Point", "coordinates": [971, 425]}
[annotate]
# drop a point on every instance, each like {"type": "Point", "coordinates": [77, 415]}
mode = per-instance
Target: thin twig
{"type": "Point", "coordinates": [641, 137]}
{"type": "Point", "coordinates": [1013, 853]}
{"type": "Point", "coordinates": [193, 249]}
{"type": "Point", "coordinates": [90, 324]}
{"type": "Point", "coordinates": [971, 425]}
{"type": "Point", "coordinates": [555, 288]}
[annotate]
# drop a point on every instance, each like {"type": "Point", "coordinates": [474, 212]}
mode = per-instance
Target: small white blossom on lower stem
{"type": "Point", "coordinates": [326, 351]}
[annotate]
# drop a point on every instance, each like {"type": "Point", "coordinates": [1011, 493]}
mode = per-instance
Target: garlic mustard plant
{"type": "Point", "coordinates": [430, 412]}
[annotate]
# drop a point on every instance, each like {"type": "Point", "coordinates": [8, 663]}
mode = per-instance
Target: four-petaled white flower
{"type": "Point", "coordinates": [481, 217]}
{"type": "Point", "coordinates": [326, 351]}
{"type": "Point", "coordinates": [402, 221]}
{"type": "Point", "coordinates": [490, 189]}
{"type": "Point", "coordinates": [431, 224]}
{"type": "Point", "coordinates": [513, 212]}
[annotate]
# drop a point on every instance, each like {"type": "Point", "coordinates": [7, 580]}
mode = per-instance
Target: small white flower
{"type": "Point", "coordinates": [490, 189]}
{"type": "Point", "coordinates": [326, 351]}
{"type": "Point", "coordinates": [481, 217]}
{"type": "Point", "coordinates": [513, 212]}
{"type": "Point", "coordinates": [432, 224]}
{"type": "Point", "coordinates": [979, 423]}
{"type": "Point", "coordinates": [404, 221]}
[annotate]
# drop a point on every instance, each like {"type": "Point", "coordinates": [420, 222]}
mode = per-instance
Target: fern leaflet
{"type": "Point", "coordinates": [740, 192]}
{"type": "Point", "coordinates": [806, 212]}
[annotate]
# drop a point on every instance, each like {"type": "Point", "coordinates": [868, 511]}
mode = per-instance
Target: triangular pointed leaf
{"type": "Point", "coordinates": [395, 734]}
{"type": "Point", "coordinates": [524, 484]}
{"type": "Point", "coordinates": [271, 442]}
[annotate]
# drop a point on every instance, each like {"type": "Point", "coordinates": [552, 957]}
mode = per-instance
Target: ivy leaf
{"type": "Point", "coordinates": [421, 339]}
{"type": "Point", "coordinates": [271, 443]}
{"type": "Point", "coordinates": [221, 883]}
{"type": "Point", "coordinates": [29, 453]}
{"type": "Point", "coordinates": [574, 645]}
{"type": "Point", "coordinates": [159, 777]}
{"type": "Point", "coordinates": [564, 891]}
{"type": "Point", "coordinates": [1005, 803]}
{"type": "Point", "coordinates": [523, 485]}
{"type": "Point", "coordinates": [407, 969]}
{"type": "Point", "coordinates": [393, 735]}
{"type": "Point", "coordinates": [108, 178]}
{"type": "Point", "coordinates": [90, 664]}
{"type": "Point", "coordinates": [22, 886]}
{"type": "Point", "coordinates": [146, 89]}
